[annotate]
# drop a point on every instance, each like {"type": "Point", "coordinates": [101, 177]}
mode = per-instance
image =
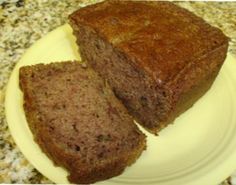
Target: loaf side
{"type": "Point", "coordinates": [158, 58]}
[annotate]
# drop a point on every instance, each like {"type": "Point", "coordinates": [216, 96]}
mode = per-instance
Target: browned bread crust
{"type": "Point", "coordinates": [159, 58]}
{"type": "Point", "coordinates": [77, 121]}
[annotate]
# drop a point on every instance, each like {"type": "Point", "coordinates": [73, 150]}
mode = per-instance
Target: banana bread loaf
{"type": "Point", "coordinates": [78, 122]}
{"type": "Point", "coordinates": [157, 57]}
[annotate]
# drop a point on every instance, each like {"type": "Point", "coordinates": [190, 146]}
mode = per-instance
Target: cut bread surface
{"type": "Point", "coordinates": [78, 122]}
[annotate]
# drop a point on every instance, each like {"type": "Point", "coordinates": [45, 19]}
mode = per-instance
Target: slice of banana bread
{"type": "Point", "coordinates": [158, 58]}
{"type": "Point", "coordinates": [78, 122]}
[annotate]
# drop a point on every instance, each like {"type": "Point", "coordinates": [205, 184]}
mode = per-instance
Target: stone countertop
{"type": "Point", "coordinates": [24, 22]}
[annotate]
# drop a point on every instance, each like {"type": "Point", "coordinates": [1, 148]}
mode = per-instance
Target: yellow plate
{"type": "Point", "coordinates": [199, 149]}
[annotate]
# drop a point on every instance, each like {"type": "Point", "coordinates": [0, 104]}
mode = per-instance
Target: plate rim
{"type": "Point", "coordinates": [221, 175]}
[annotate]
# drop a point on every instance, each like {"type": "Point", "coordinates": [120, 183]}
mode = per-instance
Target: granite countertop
{"type": "Point", "coordinates": [24, 22]}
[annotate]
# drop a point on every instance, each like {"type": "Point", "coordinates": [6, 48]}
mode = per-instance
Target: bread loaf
{"type": "Point", "coordinates": [158, 58]}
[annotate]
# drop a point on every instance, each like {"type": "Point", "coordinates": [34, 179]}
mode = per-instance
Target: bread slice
{"type": "Point", "coordinates": [157, 57]}
{"type": "Point", "coordinates": [78, 122]}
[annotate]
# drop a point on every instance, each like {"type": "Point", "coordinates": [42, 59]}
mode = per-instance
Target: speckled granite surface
{"type": "Point", "coordinates": [24, 22]}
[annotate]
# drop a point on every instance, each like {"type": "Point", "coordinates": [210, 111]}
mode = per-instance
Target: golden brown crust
{"type": "Point", "coordinates": [160, 36]}
{"type": "Point", "coordinates": [177, 55]}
